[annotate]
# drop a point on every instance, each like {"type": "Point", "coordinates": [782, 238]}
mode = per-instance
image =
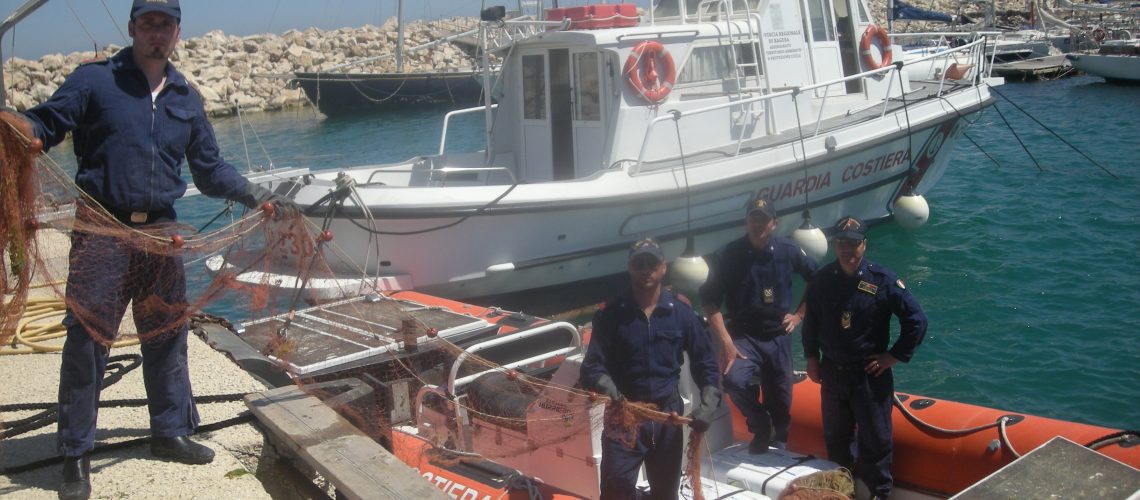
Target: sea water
{"type": "Point", "coordinates": [1030, 273]}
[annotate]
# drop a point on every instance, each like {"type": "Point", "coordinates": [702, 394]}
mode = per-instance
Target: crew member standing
{"type": "Point", "coordinates": [751, 278]}
{"type": "Point", "coordinates": [134, 119]}
{"type": "Point", "coordinates": [635, 354]}
{"type": "Point", "coordinates": [849, 308]}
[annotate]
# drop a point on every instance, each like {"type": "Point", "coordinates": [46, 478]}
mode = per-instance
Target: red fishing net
{"type": "Point", "coordinates": [144, 282]}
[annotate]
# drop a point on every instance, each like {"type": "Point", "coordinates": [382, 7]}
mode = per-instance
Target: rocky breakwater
{"type": "Point", "coordinates": [252, 72]}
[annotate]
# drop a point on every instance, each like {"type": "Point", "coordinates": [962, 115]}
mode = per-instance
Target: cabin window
{"type": "Point", "coordinates": [693, 8]}
{"type": "Point", "coordinates": [863, 17]}
{"type": "Point", "coordinates": [821, 28]}
{"type": "Point", "coordinates": [534, 87]}
{"type": "Point", "coordinates": [587, 105]}
{"type": "Point", "coordinates": [715, 63]}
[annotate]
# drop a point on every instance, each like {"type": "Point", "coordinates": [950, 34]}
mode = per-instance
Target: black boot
{"type": "Point", "coordinates": [181, 449]}
{"type": "Point", "coordinates": [76, 478]}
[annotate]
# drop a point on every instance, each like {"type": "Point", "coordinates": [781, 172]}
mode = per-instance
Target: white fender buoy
{"type": "Point", "coordinates": [911, 211]}
{"type": "Point", "coordinates": [690, 270]}
{"type": "Point", "coordinates": [810, 239]}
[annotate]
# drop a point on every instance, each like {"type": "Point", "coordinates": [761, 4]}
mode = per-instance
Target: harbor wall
{"type": "Point", "coordinates": [253, 71]}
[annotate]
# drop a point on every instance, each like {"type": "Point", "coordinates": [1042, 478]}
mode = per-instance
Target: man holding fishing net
{"type": "Point", "coordinates": [635, 357]}
{"type": "Point", "coordinates": [134, 119]}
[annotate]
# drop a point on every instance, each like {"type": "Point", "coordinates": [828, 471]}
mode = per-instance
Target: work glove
{"type": "Point", "coordinates": [704, 409]}
{"type": "Point", "coordinates": [606, 386]}
{"type": "Point", "coordinates": [255, 196]}
{"type": "Point", "coordinates": [23, 126]}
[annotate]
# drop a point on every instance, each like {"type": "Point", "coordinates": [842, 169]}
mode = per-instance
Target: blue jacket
{"type": "Point", "coordinates": [849, 317]}
{"type": "Point", "coordinates": [129, 150]}
{"type": "Point", "coordinates": [755, 287]}
{"type": "Point", "coordinates": [643, 355]}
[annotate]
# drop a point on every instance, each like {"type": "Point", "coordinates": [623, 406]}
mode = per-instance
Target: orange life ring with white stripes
{"type": "Point", "coordinates": [655, 86]}
{"type": "Point", "coordinates": [874, 33]}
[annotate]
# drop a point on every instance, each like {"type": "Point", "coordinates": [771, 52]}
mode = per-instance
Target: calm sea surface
{"type": "Point", "coordinates": [1031, 277]}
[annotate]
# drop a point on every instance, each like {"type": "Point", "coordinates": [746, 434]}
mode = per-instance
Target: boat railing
{"type": "Point", "coordinates": [447, 119]}
{"type": "Point", "coordinates": [894, 70]}
{"type": "Point", "coordinates": [440, 173]}
{"type": "Point", "coordinates": [455, 382]}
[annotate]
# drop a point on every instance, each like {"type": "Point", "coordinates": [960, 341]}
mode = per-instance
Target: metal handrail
{"type": "Point", "coordinates": [442, 170]}
{"type": "Point", "coordinates": [677, 115]}
{"type": "Point", "coordinates": [453, 382]}
{"type": "Point", "coordinates": [447, 118]}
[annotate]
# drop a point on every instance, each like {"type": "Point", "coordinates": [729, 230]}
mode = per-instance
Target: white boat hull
{"type": "Point", "coordinates": [541, 235]}
{"type": "Point", "coordinates": [1120, 68]}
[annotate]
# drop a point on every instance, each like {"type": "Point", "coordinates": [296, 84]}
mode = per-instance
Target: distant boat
{"type": "Point", "coordinates": [336, 91]}
{"type": "Point", "coordinates": [347, 93]}
{"type": "Point", "coordinates": [1117, 62]}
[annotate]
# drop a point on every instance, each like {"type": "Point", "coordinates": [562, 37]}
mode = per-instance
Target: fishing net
{"type": "Point", "coordinates": [835, 484]}
{"type": "Point", "coordinates": [143, 282]}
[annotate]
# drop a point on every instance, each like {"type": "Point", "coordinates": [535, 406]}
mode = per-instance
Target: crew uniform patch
{"type": "Point", "coordinates": [869, 288]}
{"type": "Point", "coordinates": [769, 295]}
{"type": "Point", "coordinates": [845, 320]}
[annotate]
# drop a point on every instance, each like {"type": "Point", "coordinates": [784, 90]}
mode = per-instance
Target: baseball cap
{"type": "Point", "coordinates": [763, 206]}
{"type": "Point", "coordinates": [850, 228]}
{"type": "Point", "coordinates": [168, 7]}
{"type": "Point", "coordinates": [646, 246]}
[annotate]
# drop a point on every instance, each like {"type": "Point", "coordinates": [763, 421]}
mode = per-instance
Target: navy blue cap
{"type": "Point", "coordinates": [849, 228]}
{"type": "Point", "coordinates": [646, 246]}
{"type": "Point", "coordinates": [761, 205]}
{"type": "Point", "coordinates": [168, 7]}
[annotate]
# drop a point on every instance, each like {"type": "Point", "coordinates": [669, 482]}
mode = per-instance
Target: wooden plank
{"type": "Point", "coordinates": [355, 464]}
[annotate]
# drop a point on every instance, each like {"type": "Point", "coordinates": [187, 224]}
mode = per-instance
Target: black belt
{"type": "Point", "coordinates": [127, 217]}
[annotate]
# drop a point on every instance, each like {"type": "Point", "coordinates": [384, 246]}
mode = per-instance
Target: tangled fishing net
{"type": "Point", "coordinates": [262, 266]}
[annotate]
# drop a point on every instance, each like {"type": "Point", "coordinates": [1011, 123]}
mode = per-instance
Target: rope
{"type": "Point", "coordinates": [1018, 137]}
{"type": "Point", "coordinates": [979, 146]}
{"type": "Point", "coordinates": [800, 460]}
{"type": "Point", "coordinates": [478, 211]}
{"type": "Point", "coordinates": [36, 336]}
{"type": "Point", "coordinates": [244, 417]}
{"type": "Point", "coordinates": [1116, 437]}
{"type": "Point", "coordinates": [1055, 134]}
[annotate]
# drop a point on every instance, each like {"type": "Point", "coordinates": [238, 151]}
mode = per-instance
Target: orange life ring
{"type": "Point", "coordinates": [1099, 34]}
{"type": "Point", "coordinates": [874, 33]}
{"type": "Point", "coordinates": [656, 85]}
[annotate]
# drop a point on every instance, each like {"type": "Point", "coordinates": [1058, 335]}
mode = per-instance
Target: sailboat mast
{"type": "Point", "coordinates": [400, 36]}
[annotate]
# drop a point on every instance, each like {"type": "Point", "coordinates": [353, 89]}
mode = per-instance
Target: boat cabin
{"type": "Point", "coordinates": [576, 99]}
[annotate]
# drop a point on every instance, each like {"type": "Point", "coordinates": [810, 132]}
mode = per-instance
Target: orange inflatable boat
{"type": "Point", "coordinates": [945, 446]}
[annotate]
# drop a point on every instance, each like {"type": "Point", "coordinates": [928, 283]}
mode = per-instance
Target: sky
{"type": "Point", "coordinates": [65, 26]}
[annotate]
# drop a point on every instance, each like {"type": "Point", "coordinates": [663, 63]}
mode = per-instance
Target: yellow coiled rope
{"type": "Point", "coordinates": [37, 333]}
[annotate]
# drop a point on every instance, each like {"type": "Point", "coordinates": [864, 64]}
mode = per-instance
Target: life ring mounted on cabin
{"type": "Point", "coordinates": [1099, 34]}
{"type": "Point", "coordinates": [656, 85]}
{"type": "Point", "coordinates": [875, 33]}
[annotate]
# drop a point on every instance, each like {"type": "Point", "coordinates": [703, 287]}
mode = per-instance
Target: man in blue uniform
{"type": "Point", "coordinates": [751, 277]}
{"type": "Point", "coordinates": [849, 308]}
{"type": "Point", "coordinates": [635, 353]}
{"type": "Point", "coordinates": [133, 118]}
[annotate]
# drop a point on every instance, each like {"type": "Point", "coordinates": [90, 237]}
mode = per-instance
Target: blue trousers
{"type": "Point", "coordinates": [105, 275]}
{"type": "Point", "coordinates": [857, 422]}
{"type": "Point", "coordinates": [772, 360]}
{"type": "Point", "coordinates": [659, 446]}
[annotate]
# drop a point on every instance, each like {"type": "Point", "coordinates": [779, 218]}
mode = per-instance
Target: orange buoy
{"type": "Point", "coordinates": [655, 86]}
